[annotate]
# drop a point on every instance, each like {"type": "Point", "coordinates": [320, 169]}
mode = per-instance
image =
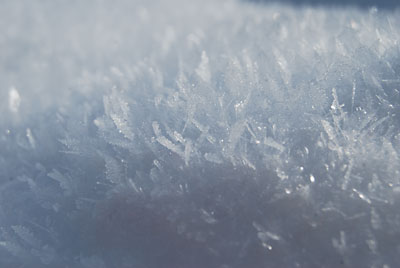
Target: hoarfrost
{"type": "Point", "coordinates": [14, 100]}
{"type": "Point", "coordinates": [228, 134]}
{"type": "Point", "coordinates": [26, 236]}
{"type": "Point", "coordinates": [64, 181]}
{"type": "Point", "coordinates": [340, 244]}
{"type": "Point", "coordinates": [119, 112]}
{"type": "Point", "coordinates": [203, 71]}
{"type": "Point", "coordinates": [30, 137]}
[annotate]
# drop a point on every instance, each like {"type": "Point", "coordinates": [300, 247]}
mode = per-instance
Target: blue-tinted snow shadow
{"type": "Point", "coordinates": [364, 4]}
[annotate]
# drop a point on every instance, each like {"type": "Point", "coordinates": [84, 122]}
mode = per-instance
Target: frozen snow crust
{"type": "Point", "coordinates": [188, 134]}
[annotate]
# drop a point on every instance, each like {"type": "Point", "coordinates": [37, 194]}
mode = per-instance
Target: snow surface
{"type": "Point", "coordinates": [188, 134]}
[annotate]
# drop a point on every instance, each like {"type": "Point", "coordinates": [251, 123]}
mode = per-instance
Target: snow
{"type": "Point", "coordinates": [14, 100]}
{"type": "Point", "coordinates": [184, 134]}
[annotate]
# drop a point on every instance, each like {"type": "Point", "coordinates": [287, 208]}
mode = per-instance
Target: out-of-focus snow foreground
{"type": "Point", "coordinates": [192, 134]}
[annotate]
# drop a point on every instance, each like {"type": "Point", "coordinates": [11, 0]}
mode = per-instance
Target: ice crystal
{"type": "Point", "coordinates": [188, 134]}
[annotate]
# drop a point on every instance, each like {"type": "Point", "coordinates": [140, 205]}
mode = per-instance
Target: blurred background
{"type": "Point", "coordinates": [386, 4]}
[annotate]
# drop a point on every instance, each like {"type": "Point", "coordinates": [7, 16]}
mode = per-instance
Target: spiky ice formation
{"type": "Point", "coordinates": [216, 134]}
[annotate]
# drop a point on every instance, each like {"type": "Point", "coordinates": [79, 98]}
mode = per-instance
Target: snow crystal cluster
{"type": "Point", "coordinates": [193, 134]}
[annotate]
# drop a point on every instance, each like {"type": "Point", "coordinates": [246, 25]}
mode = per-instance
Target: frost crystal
{"type": "Point", "coordinates": [14, 100]}
{"type": "Point", "coordinates": [191, 134]}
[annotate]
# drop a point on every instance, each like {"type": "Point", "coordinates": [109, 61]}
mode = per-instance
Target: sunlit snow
{"type": "Point", "coordinates": [199, 134]}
